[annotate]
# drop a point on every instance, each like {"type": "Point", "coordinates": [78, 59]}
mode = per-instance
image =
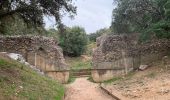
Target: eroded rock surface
{"type": "Point", "coordinates": [40, 51]}
{"type": "Point", "coordinates": [124, 53]}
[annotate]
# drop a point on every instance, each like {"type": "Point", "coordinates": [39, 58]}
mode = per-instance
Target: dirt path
{"type": "Point", "coordinates": [82, 89]}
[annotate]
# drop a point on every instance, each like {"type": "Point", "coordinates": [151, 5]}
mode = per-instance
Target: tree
{"type": "Point", "coordinates": [73, 41]}
{"type": "Point", "coordinates": [92, 36]}
{"type": "Point", "coordinates": [141, 16]}
{"type": "Point", "coordinates": [15, 25]}
{"type": "Point", "coordinates": [32, 11]}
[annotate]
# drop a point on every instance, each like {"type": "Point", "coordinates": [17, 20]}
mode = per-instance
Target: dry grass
{"type": "Point", "coordinates": [150, 84]}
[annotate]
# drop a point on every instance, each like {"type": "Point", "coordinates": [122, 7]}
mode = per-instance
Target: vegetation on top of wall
{"type": "Point", "coordinates": [53, 33]}
{"type": "Point", "coordinates": [90, 48]}
{"type": "Point", "coordinates": [160, 29]}
{"type": "Point", "coordinates": [92, 36]}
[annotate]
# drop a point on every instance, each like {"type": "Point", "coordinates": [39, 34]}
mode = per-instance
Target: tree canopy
{"type": "Point", "coordinates": [146, 16]}
{"type": "Point", "coordinates": [32, 11]}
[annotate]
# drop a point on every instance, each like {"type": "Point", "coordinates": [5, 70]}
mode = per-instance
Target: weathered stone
{"type": "Point", "coordinates": [103, 75]}
{"type": "Point", "coordinates": [124, 51]}
{"type": "Point", "coordinates": [43, 52]}
{"type": "Point", "coordinates": [143, 67]}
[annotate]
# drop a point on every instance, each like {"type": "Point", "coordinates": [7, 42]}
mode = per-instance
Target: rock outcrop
{"type": "Point", "coordinates": [40, 51]}
{"type": "Point", "coordinates": [122, 53]}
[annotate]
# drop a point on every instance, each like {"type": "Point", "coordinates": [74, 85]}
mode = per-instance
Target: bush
{"type": "Point", "coordinates": [160, 29]}
{"type": "Point", "coordinates": [92, 37]}
{"type": "Point", "coordinates": [73, 41]}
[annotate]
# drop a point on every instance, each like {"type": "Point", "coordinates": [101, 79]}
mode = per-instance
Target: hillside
{"type": "Point", "coordinates": [150, 84]}
{"type": "Point", "coordinates": [19, 82]}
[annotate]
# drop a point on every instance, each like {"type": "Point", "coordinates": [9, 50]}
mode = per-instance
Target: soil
{"type": "Point", "coordinates": [151, 84]}
{"type": "Point", "coordinates": [82, 89]}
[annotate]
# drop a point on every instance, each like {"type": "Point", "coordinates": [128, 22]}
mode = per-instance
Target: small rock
{"type": "Point", "coordinates": [134, 91]}
{"type": "Point", "coordinates": [143, 67]}
{"type": "Point", "coordinates": [163, 91]}
{"type": "Point", "coordinates": [114, 84]}
{"type": "Point", "coordinates": [21, 87]}
{"type": "Point", "coordinates": [16, 93]}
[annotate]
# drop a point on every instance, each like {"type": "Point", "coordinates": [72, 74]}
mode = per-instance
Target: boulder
{"type": "Point", "coordinates": [143, 67]}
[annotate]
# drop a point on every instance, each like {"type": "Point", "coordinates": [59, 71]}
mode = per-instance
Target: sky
{"type": "Point", "coordinates": [91, 14]}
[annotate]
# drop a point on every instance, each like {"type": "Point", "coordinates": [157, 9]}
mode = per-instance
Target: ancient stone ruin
{"type": "Point", "coordinates": [115, 55]}
{"type": "Point", "coordinates": [42, 52]}
{"type": "Point", "coordinates": [120, 54]}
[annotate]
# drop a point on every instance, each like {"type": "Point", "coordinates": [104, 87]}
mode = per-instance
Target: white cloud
{"type": "Point", "coordinates": [49, 22]}
{"type": "Point", "coordinates": [91, 14]}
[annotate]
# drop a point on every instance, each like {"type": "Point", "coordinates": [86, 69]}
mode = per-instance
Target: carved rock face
{"type": "Point", "coordinates": [110, 47]}
{"type": "Point", "coordinates": [40, 51]}
{"type": "Point", "coordinates": [124, 51]}
{"type": "Point", "coordinates": [25, 45]}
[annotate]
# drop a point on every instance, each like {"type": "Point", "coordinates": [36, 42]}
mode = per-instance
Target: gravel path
{"type": "Point", "coordinates": [82, 89]}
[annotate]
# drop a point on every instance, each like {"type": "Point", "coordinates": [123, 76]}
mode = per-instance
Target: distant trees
{"type": "Point", "coordinates": [92, 36]}
{"type": "Point", "coordinates": [145, 16]}
{"type": "Point", "coordinates": [73, 41]}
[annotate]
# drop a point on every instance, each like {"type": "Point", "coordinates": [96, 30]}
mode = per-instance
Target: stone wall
{"type": "Point", "coordinates": [123, 54]}
{"type": "Point", "coordinates": [40, 51]}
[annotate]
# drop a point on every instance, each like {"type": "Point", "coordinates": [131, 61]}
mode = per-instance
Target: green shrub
{"type": "Point", "coordinates": [145, 36]}
{"type": "Point", "coordinates": [74, 41]}
{"type": "Point", "coordinates": [160, 29]}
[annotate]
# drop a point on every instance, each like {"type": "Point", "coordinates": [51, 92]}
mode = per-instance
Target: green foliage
{"type": "Point", "coordinates": [53, 33]}
{"type": "Point", "coordinates": [6, 64]}
{"type": "Point", "coordinates": [78, 63]}
{"type": "Point", "coordinates": [27, 16]}
{"type": "Point", "coordinates": [112, 80]}
{"type": "Point", "coordinates": [92, 37]}
{"type": "Point", "coordinates": [71, 79]}
{"type": "Point", "coordinates": [90, 48]}
{"type": "Point", "coordinates": [15, 25]}
{"type": "Point", "coordinates": [74, 41]}
{"type": "Point", "coordinates": [33, 11]}
{"type": "Point", "coordinates": [84, 65]}
{"type": "Point", "coordinates": [145, 36]}
{"type": "Point", "coordinates": [167, 9]}
{"type": "Point", "coordinates": [149, 17]}
{"type": "Point", "coordinates": [162, 29]}
{"type": "Point", "coordinates": [90, 79]}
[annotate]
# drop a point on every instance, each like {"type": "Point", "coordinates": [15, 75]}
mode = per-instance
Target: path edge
{"type": "Point", "coordinates": [109, 93]}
